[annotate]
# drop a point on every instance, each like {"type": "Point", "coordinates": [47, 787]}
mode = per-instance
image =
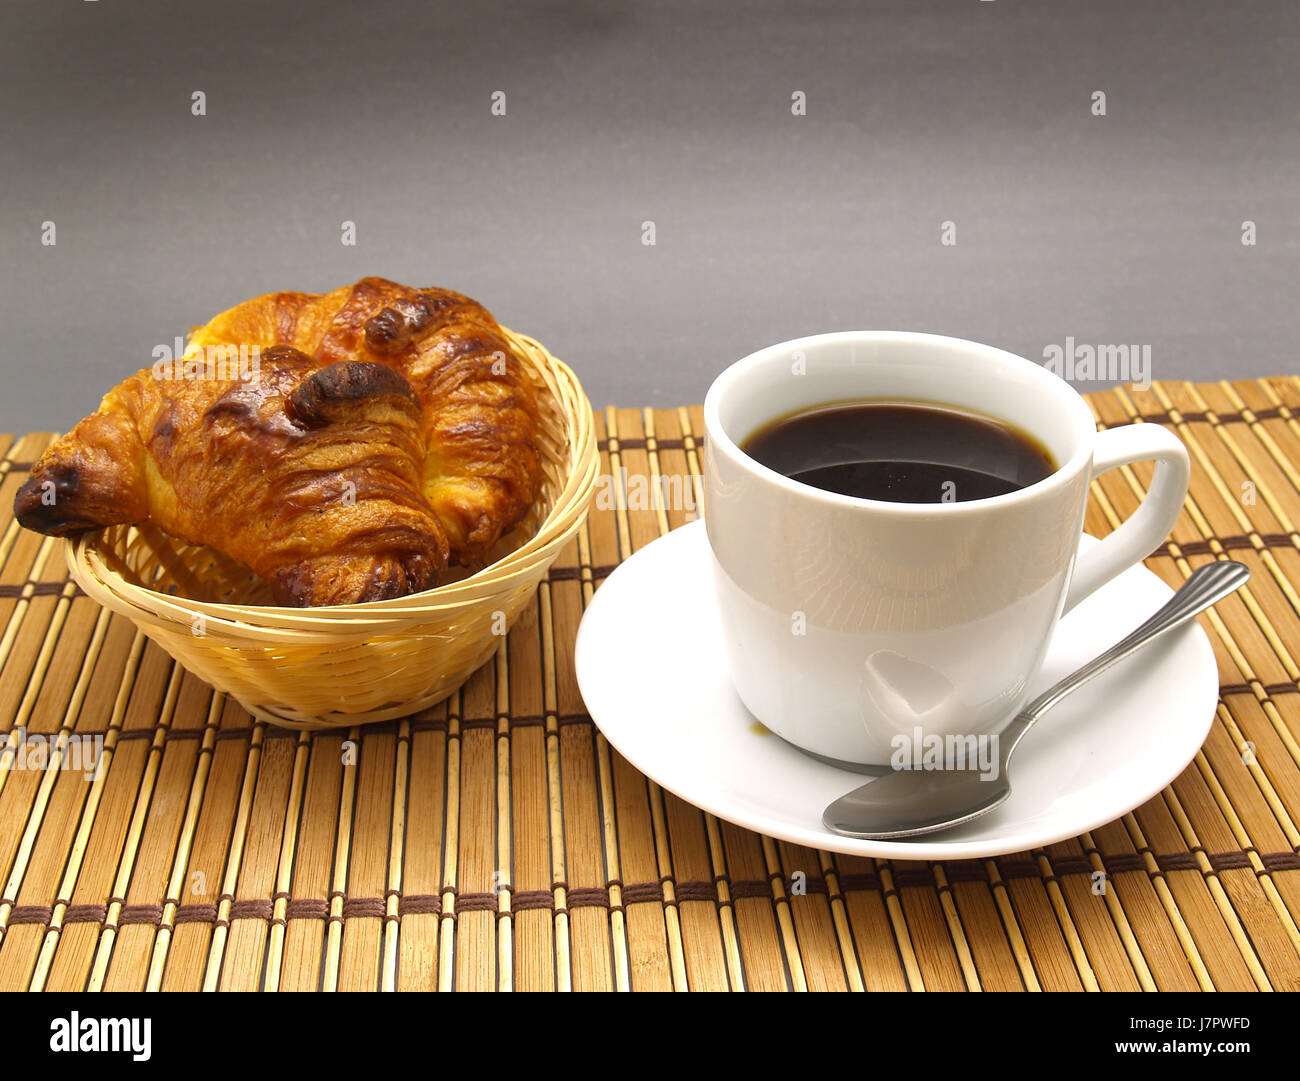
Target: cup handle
{"type": "Point", "coordinates": [1151, 523]}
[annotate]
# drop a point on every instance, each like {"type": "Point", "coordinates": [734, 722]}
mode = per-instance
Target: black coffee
{"type": "Point", "coordinates": [901, 452]}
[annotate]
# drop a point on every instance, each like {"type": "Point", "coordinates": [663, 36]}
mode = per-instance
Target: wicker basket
{"type": "Point", "coordinates": [352, 664]}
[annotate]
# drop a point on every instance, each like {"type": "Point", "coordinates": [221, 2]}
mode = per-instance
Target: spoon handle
{"type": "Point", "coordinates": [1207, 584]}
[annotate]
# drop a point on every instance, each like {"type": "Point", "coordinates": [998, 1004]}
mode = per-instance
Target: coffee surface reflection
{"type": "Point", "coordinates": [901, 452]}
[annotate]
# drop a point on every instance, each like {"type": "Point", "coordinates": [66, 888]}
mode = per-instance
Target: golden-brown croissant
{"type": "Point", "coordinates": [482, 467]}
{"type": "Point", "coordinates": [383, 433]}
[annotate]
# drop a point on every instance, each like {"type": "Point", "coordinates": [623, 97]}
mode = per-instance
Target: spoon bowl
{"type": "Point", "coordinates": [909, 802]}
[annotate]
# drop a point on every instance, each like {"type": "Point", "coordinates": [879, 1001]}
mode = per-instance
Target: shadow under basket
{"type": "Point", "coordinates": [352, 664]}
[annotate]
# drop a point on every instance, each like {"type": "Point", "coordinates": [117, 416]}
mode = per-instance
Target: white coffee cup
{"type": "Point", "coordinates": [852, 622]}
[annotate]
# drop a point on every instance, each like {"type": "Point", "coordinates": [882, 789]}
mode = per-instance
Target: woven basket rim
{"type": "Point", "coordinates": [92, 572]}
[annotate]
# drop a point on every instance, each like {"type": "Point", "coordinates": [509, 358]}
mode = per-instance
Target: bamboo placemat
{"type": "Point", "coordinates": [497, 841]}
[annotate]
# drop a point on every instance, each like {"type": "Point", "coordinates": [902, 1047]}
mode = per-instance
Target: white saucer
{"type": "Point", "coordinates": [652, 671]}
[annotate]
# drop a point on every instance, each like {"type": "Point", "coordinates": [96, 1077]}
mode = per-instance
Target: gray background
{"type": "Point", "coordinates": [1117, 229]}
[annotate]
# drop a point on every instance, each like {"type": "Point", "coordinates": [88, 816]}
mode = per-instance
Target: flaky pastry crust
{"type": "Point", "coordinates": [386, 433]}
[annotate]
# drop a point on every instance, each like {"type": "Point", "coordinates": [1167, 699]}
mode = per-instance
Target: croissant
{"type": "Point", "coordinates": [383, 434]}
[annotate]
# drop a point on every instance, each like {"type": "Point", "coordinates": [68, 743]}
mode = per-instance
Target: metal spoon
{"type": "Point", "coordinates": [906, 803]}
